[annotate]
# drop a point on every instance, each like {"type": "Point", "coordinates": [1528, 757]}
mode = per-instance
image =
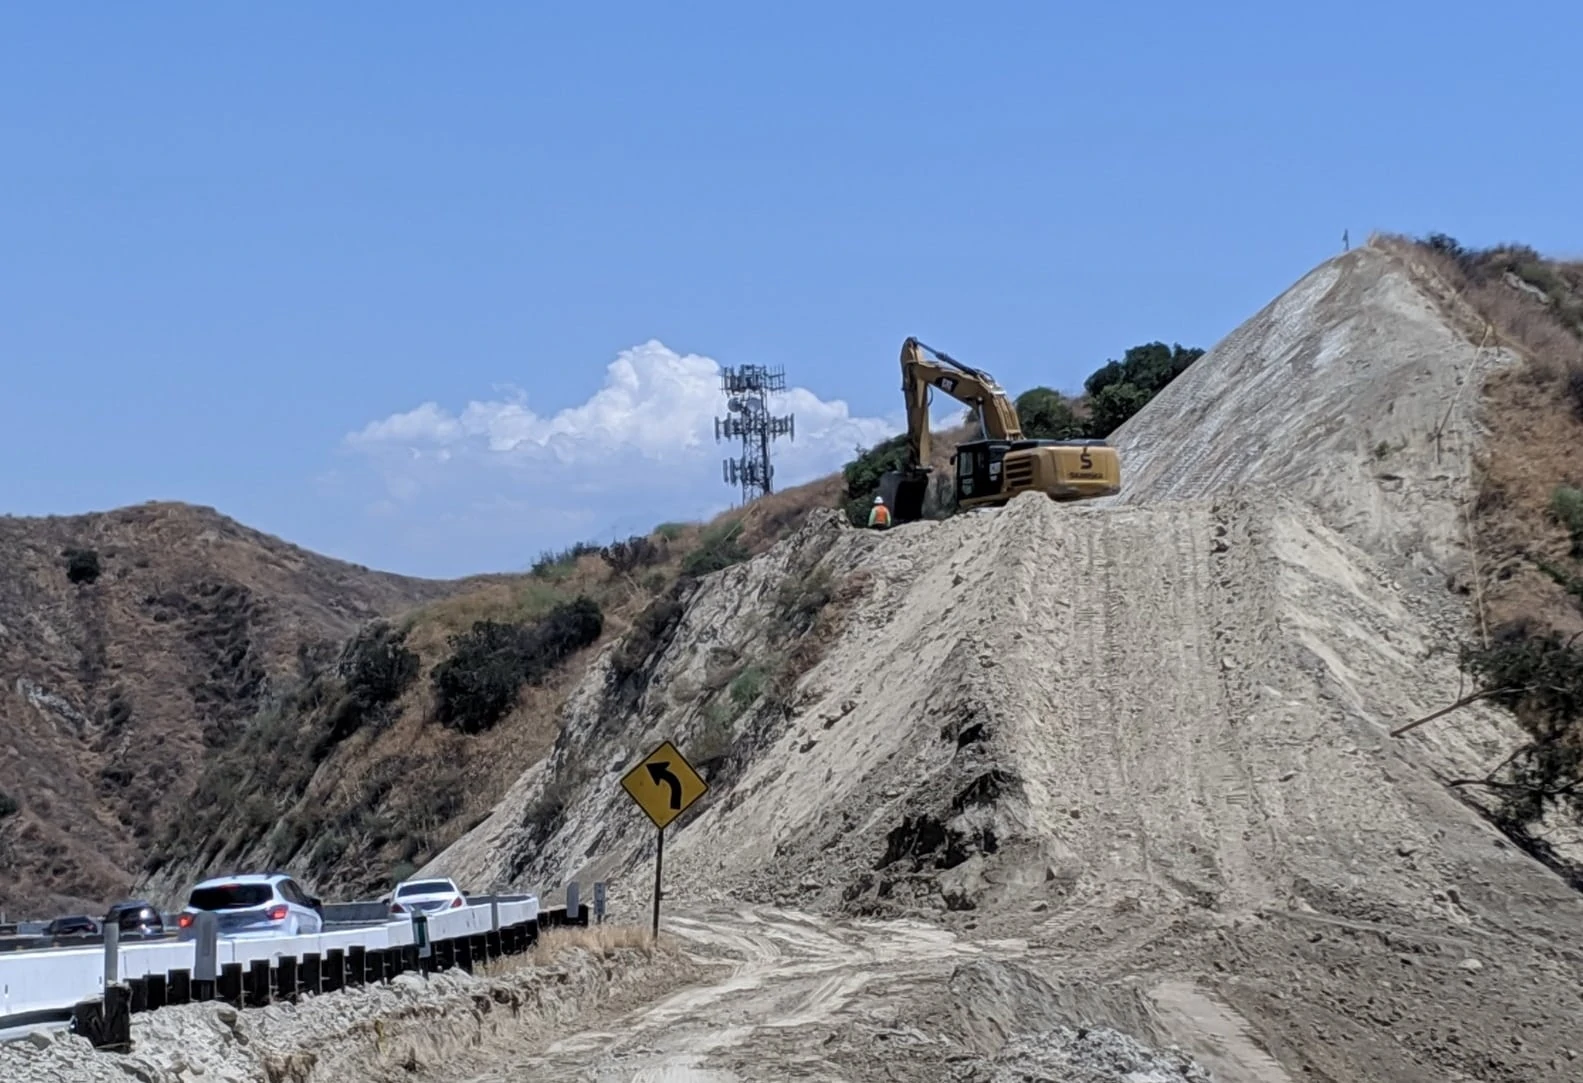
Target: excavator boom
{"type": "Point", "coordinates": [1000, 462]}
{"type": "Point", "coordinates": [994, 412]}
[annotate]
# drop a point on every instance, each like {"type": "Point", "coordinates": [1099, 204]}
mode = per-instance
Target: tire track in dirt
{"type": "Point", "coordinates": [789, 978]}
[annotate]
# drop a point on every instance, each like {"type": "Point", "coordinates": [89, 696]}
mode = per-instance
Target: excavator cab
{"type": "Point", "coordinates": [994, 471]}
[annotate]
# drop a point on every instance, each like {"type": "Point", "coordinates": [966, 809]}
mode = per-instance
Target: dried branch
{"type": "Point", "coordinates": [1472, 697]}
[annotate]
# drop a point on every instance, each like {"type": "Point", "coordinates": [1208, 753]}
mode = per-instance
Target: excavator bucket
{"type": "Point", "coordinates": [904, 491]}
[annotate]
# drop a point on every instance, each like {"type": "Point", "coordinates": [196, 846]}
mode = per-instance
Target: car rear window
{"type": "Point", "coordinates": [230, 896]}
{"type": "Point", "coordinates": [423, 887]}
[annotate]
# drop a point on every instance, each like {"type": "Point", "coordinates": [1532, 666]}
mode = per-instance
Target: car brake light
{"type": "Point", "coordinates": [184, 921]}
{"type": "Point", "coordinates": [397, 908]}
{"type": "Point", "coordinates": [456, 902]}
{"type": "Point", "coordinates": [278, 913]}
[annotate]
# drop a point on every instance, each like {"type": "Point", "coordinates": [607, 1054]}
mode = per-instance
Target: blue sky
{"type": "Point", "coordinates": [264, 257]}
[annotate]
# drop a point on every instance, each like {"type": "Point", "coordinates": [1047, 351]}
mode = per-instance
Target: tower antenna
{"type": "Point", "coordinates": [748, 419]}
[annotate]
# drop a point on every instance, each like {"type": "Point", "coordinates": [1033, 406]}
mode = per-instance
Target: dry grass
{"type": "Point", "coordinates": [555, 943]}
{"type": "Point", "coordinates": [1507, 297]}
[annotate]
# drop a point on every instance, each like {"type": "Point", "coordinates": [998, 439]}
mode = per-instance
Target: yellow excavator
{"type": "Point", "coordinates": [1001, 463]}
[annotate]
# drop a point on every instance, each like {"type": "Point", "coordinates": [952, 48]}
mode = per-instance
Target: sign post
{"type": "Point", "coordinates": [664, 785]}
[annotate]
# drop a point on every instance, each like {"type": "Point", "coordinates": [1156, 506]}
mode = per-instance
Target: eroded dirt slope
{"type": "Point", "coordinates": [1149, 737]}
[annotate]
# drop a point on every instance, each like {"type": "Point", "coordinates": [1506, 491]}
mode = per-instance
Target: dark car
{"type": "Point", "coordinates": [136, 917]}
{"type": "Point", "coordinates": [72, 925]}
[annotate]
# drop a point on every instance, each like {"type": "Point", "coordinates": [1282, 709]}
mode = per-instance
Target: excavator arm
{"type": "Point", "coordinates": [923, 367]}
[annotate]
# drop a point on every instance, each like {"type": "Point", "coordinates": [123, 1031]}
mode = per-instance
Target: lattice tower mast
{"type": "Point", "coordinates": [748, 419]}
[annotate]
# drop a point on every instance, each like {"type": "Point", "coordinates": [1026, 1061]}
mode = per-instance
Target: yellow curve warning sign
{"type": "Point", "coordinates": [664, 784]}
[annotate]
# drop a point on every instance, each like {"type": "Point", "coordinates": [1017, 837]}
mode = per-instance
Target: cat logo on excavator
{"type": "Point", "coordinates": [1001, 463]}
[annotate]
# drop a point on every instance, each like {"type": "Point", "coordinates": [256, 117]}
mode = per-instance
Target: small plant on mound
{"type": "Point", "coordinates": [747, 687]}
{"type": "Point", "coordinates": [82, 565]}
{"type": "Point", "coordinates": [718, 548]}
{"type": "Point", "coordinates": [375, 668]}
{"type": "Point", "coordinates": [650, 633]}
{"type": "Point", "coordinates": [478, 683]}
{"type": "Point", "coordinates": [557, 564]}
{"type": "Point", "coordinates": [638, 551]}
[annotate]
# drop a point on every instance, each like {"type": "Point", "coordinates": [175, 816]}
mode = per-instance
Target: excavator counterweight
{"type": "Point", "coordinates": [1001, 463]}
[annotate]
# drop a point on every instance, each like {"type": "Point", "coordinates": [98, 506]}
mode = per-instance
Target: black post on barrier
{"type": "Point", "coordinates": [420, 940]}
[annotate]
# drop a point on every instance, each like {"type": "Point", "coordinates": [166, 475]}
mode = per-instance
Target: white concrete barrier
{"type": "Point", "coordinates": [58, 978]}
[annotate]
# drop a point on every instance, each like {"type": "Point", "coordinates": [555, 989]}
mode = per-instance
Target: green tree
{"type": "Point", "coordinates": [1047, 415]}
{"type": "Point", "coordinates": [1114, 404]}
{"type": "Point", "coordinates": [1119, 389]}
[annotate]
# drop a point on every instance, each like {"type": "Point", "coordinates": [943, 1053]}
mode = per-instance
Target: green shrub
{"type": "Point", "coordinates": [748, 686]}
{"type": "Point", "coordinates": [799, 599]}
{"type": "Point", "coordinates": [82, 565]}
{"type": "Point", "coordinates": [478, 683]}
{"type": "Point", "coordinates": [556, 564]}
{"type": "Point", "coordinates": [649, 634]}
{"type": "Point", "coordinates": [638, 551]}
{"type": "Point", "coordinates": [1538, 675]}
{"type": "Point", "coordinates": [376, 666]}
{"type": "Point", "coordinates": [670, 531]}
{"type": "Point", "coordinates": [1566, 504]}
{"type": "Point", "coordinates": [717, 549]}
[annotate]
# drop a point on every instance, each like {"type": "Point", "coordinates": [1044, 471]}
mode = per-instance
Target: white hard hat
{"type": "Point", "coordinates": [879, 500]}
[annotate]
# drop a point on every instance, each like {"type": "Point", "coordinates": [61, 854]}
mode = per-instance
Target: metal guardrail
{"type": "Point", "coordinates": [487, 927]}
{"type": "Point", "coordinates": [30, 935]}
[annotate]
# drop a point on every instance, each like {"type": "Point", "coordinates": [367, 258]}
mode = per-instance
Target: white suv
{"type": "Point", "coordinates": [426, 896]}
{"type": "Point", "coordinates": [255, 904]}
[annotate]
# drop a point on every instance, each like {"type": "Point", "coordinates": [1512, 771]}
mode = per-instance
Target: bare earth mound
{"type": "Point", "coordinates": [1147, 739]}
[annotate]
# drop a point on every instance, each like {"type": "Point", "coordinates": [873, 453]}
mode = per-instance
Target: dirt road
{"type": "Point", "coordinates": [796, 997]}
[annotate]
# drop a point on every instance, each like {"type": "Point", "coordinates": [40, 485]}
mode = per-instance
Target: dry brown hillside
{"type": "Point", "coordinates": [1529, 539]}
{"type": "Point", "coordinates": [135, 644]}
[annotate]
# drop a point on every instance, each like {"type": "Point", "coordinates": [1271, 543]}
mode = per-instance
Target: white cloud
{"type": "Point", "coordinates": [641, 449]}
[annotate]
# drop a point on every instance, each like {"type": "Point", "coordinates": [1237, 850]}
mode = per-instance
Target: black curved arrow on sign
{"type": "Point", "coordinates": [661, 772]}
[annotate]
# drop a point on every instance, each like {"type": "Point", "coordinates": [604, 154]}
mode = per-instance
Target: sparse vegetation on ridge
{"type": "Point", "coordinates": [1528, 518]}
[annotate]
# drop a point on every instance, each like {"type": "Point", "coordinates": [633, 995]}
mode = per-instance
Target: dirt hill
{"type": "Point", "coordinates": [134, 644]}
{"type": "Point", "coordinates": [1149, 743]}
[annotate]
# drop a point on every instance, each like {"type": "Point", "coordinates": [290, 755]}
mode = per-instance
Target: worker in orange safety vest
{"type": "Point", "coordinates": [879, 515]}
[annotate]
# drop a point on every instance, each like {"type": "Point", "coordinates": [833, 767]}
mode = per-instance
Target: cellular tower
{"type": "Point", "coordinates": [748, 419]}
